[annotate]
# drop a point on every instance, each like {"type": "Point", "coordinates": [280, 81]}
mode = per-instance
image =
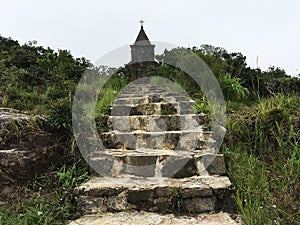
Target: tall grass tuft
{"type": "Point", "coordinates": [263, 152]}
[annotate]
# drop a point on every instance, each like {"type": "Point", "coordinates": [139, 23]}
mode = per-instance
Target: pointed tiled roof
{"type": "Point", "coordinates": [142, 37]}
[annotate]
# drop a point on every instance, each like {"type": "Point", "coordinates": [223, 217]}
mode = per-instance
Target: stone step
{"type": "Point", "coordinates": [131, 95]}
{"type": "Point", "coordinates": [157, 163]}
{"type": "Point", "coordinates": [156, 108]}
{"type": "Point", "coordinates": [149, 99]}
{"type": "Point", "coordinates": [133, 101]}
{"type": "Point", "coordinates": [169, 140]}
{"type": "Point", "coordinates": [148, 218]}
{"type": "Point", "coordinates": [154, 93]}
{"type": "Point", "coordinates": [144, 87]}
{"type": "Point", "coordinates": [135, 91]}
{"type": "Point", "coordinates": [156, 123]}
{"type": "Point", "coordinates": [191, 195]}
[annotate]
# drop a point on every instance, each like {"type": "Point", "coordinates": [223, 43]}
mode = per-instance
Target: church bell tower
{"type": "Point", "coordinates": [142, 55]}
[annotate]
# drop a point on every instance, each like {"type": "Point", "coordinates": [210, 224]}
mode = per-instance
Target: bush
{"type": "Point", "coordinates": [60, 114]}
{"type": "Point", "coordinates": [232, 87]}
{"type": "Point", "coordinates": [284, 85]}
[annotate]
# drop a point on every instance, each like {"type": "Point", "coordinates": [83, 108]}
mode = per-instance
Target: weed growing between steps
{"type": "Point", "coordinates": [47, 200]}
{"type": "Point", "coordinates": [263, 152]}
{"type": "Point", "coordinates": [168, 109]}
{"type": "Point", "coordinates": [176, 199]}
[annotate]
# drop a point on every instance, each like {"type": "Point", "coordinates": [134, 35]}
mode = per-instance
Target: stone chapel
{"type": "Point", "coordinates": [142, 55]}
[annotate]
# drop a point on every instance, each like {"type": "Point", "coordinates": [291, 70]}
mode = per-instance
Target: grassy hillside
{"type": "Point", "coordinates": [262, 144]}
{"type": "Point", "coordinates": [263, 159]}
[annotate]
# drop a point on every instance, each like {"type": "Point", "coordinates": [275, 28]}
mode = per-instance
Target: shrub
{"type": "Point", "coordinates": [232, 87]}
{"type": "Point", "coordinates": [60, 114]}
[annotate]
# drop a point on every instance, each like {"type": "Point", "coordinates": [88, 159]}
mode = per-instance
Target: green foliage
{"type": "Point", "coordinates": [36, 211]}
{"type": "Point", "coordinates": [17, 130]}
{"type": "Point", "coordinates": [220, 61]}
{"type": "Point", "coordinates": [37, 79]}
{"type": "Point", "coordinates": [236, 79]}
{"type": "Point", "coordinates": [177, 76]}
{"type": "Point", "coordinates": [232, 87]}
{"type": "Point", "coordinates": [51, 199]}
{"type": "Point", "coordinates": [60, 114]}
{"type": "Point", "coordinates": [253, 196]}
{"type": "Point", "coordinates": [66, 178]}
{"type": "Point", "coordinates": [116, 82]}
{"type": "Point", "coordinates": [168, 109]}
{"type": "Point", "coordinates": [176, 199]}
{"type": "Point", "coordinates": [19, 98]}
{"type": "Point", "coordinates": [107, 97]}
{"type": "Point", "coordinates": [270, 124]}
{"type": "Point", "coordinates": [263, 152]}
{"type": "Point", "coordinates": [202, 105]}
{"type": "Point", "coordinates": [102, 123]}
{"type": "Point", "coordinates": [283, 85]}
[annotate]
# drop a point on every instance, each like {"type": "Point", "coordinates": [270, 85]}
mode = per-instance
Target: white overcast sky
{"type": "Point", "coordinates": [269, 29]}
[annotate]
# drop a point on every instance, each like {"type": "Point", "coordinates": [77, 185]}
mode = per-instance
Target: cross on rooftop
{"type": "Point", "coordinates": [141, 22]}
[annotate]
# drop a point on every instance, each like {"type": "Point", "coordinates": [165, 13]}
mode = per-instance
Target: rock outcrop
{"type": "Point", "coordinates": [28, 147]}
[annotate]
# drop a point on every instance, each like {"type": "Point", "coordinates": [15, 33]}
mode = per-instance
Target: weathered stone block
{"type": "Point", "coordinates": [120, 123]}
{"type": "Point", "coordinates": [214, 164]}
{"type": "Point", "coordinates": [162, 191]}
{"type": "Point", "coordinates": [91, 205]}
{"type": "Point", "coordinates": [133, 165]}
{"type": "Point", "coordinates": [103, 163]}
{"type": "Point", "coordinates": [197, 191]}
{"type": "Point", "coordinates": [117, 203]}
{"type": "Point", "coordinates": [188, 141]}
{"type": "Point", "coordinates": [178, 167]}
{"type": "Point", "coordinates": [121, 110]}
{"type": "Point", "coordinates": [199, 205]}
{"type": "Point", "coordinates": [142, 199]}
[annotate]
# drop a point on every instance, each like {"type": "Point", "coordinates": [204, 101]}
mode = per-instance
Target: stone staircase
{"type": "Point", "coordinates": [159, 165]}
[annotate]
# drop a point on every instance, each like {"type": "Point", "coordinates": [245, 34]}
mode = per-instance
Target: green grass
{"type": "Point", "coordinates": [47, 200]}
{"type": "Point", "coordinates": [20, 98]}
{"type": "Point", "coordinates": [16, 130]}
{"type": "Point", "coordinates": [263, 160]}
{"type": "Point", "coordinates": [106, 100]}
